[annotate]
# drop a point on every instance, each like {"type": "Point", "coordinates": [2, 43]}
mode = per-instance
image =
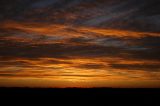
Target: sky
{"type": "Point", "coordinates": [80, 43]}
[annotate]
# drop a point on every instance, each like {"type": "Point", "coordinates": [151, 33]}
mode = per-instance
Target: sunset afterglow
{"type": "Point", "coordinates": [79, 43]}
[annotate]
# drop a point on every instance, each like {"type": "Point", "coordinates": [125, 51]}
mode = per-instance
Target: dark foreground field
{"type": "Point", "coordinates": [79, 96]}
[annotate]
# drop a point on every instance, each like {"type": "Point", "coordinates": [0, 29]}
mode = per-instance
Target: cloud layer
{"type": "Point", "coordinates": [80, 41]}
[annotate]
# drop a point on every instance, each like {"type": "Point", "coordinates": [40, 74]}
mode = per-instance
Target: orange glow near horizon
{"type": "Point", "coordinates": [45, 74]}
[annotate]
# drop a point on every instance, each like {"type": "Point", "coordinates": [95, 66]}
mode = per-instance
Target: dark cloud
{"type": "Point", "coordinates": [57, 50]}
{"type": "Point", "coordinates": [80, 40]}
{"type": "Point", "coordinates": [6, 75]}
{"type": "Point", "coordinates": [91, 66]}
{"type": "Point", "coordinates": [143, 67]}
{"type": "Point", "coordinates": [49, 75]}
{"type": "Point", "coordinates": [138, 48]}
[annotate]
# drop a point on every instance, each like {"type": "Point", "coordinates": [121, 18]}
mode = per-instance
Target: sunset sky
{"type": "Point", "coordinates": [80, 43]}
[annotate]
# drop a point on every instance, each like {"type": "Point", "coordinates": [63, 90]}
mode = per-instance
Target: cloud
{"type": "Point", "coordinates": [64, 42]}
{"type": "Point", "coordinates": [91, 66]}
{"type": "Point", "coordinates": [144, 67]}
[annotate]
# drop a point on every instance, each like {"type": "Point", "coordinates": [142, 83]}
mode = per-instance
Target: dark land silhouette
{"type": "Point", "coordinates": [80, 95]}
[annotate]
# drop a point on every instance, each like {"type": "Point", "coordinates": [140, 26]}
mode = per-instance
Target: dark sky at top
{"type": "Point", "coordinates": [142, 15]}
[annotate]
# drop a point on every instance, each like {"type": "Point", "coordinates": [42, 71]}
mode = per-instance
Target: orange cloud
{"type": "Point", "coordinates": [72, 31]}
